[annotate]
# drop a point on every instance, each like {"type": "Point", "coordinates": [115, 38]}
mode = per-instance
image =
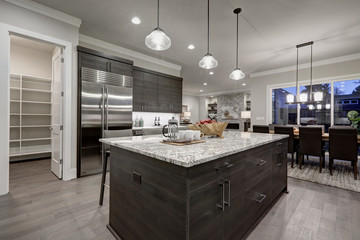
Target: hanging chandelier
{"type": "Point", "coordinates": [304, 98]}
{"type": "Point", "coordinates": [237, 74]}
{"type": "Point", "coordinates": [157, 40]}
{"type": "Point", "coordinates": [208, 61]}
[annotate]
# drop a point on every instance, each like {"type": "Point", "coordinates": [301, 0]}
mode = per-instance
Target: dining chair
{"type": "Point", "coordinates": [343, 146]}
{"type": "Point", "coordinates": [310, 143]}
{"type": "Point", "coordinates": [110, 134]}
{"type": "Point", "coordinates": [292, 148]}
{"type": "Point", "coordinates": [272, 126]}
{"type": "Point", "coordinates": [261, 128]}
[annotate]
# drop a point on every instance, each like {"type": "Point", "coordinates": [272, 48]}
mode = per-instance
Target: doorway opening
{"type": "Point", "coordinates": [36, 102]}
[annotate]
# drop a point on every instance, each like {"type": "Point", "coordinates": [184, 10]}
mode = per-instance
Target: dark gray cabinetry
{"type": "Point", "coordinates": [221, 199]}
{"type": "Point", "coordinates": [96, 60]}
{"type": "Point", "coordinates": [156, 92]}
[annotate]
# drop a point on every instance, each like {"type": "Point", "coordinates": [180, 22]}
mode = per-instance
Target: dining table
{"type": "Point", "coordinates": [325, 136]}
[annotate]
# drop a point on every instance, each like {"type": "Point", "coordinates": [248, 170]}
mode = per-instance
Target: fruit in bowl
{"type": "Point", "coordinates": [209, 127]}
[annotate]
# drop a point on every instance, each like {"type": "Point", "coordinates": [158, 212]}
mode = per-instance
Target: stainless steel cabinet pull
{"type": "Point", "coordinates": [262, 162]}
{"type": "Point", "coordinates": [226, 165]}
{"type": "Point", "coordinates": [279, 164]}
{"type": "Point", "coordinates": [110, 66]}
{"type": "Point", "coordinates": [229, 192]}
{"type": "Point", "coordinates": [279, 144]}
{"type": "Point", "coordinates": [107, 108]}
{"type": "Point", "coordinates": [262, 197]}
{"type": "Point", "coordinates": [222, 205]}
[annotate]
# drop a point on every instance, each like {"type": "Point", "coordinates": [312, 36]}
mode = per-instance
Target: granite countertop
{"type": "Point", "coordinates": [191, 155]}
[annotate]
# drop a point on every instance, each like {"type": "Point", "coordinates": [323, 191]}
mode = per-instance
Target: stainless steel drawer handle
{"type": "Point", "coordinates": [262, 162]}
{"type": "Point", "coordinates": [279, 144]}
{"type": "Point", "coordinates": [229, 192]}
{"type": "Point", "coordinates": [262, 197]}
{"type": "Point", "coordinates": [222, 205]}
{"type": "Point", "coordinates": [226, 165]}
{"type": "Point", "coordinates": [279, 164]}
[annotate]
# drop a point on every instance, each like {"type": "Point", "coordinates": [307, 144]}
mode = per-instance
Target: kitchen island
{"type": "Point", "coordinates": [213, 190]}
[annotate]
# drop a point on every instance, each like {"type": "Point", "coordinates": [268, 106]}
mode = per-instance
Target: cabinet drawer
{"type": "Point", "coordinates": [202, 174]}
{"type": "Point", "coordinates": [258, 199]}
{"type": "Point", "coordinates": [258, 165]}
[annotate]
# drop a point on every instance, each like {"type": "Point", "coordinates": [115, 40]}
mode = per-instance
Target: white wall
{"type": "Point", "coordinates": [29, 23]}
{"type": "Point", "coordinates": [193, 103]}
{"type": "Point", "coordinates": [30, 61]}
{"type": "Point", "coordinates": [261, 98]}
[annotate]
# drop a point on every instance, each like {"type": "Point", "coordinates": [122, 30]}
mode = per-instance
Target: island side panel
{"type": "Point", "coordinates": [147, 197]}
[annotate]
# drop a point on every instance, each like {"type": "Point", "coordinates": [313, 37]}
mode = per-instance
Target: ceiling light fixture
{"type": "Point", "coordinates": [136, 20]}
{"type": "Point", "coordinates": [208, 61]}
{"type": "Point", "coordinates": [211, 73]}
{"type": "Point", "coordinates": [157, 40]}
{"type": "Point", "coordinates": [191, 47]}
{"type": "Point", "coordinates": [244, 84]}
{"type": "Point", "coordinates": [237, 74]}
{"type": "Point", "coordinates": [304, 98]}
{"type": "Point", "coordinates": [204, 83]}
{"type": "Point", "coordinates": [201, 90]}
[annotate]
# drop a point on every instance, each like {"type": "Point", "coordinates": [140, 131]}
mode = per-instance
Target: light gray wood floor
{"type": "Point", "coordinates": [40, 206]}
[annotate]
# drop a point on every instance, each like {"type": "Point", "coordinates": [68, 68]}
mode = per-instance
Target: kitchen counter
{"type": "Point", "coordinates": [191, 155]}
{"type": "Point", "coordinates": [214, 190]}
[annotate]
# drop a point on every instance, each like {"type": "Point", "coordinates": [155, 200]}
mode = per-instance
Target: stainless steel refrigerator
{"type": "Point", "coordinates": [106, 105]}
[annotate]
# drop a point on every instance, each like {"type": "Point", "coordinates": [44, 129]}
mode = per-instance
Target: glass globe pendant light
{"type": "Point", "coordinates": [208, 61]}
{"type": "Point", "coordinates": [157, 40]}
{"type": "Point", "coordinates": [237, 74]}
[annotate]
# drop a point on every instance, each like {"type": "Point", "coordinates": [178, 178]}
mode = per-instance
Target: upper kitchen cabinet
{"type": "Point", "coordinates": [96, 60]}
{"type": "Point", "coordinates": [156, 92]}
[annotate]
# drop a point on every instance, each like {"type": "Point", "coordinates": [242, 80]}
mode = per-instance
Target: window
{"type": "Point", "coordinates": [346, 98]}
{"type": "Point", "coordinates": [317, 113]}
{"type": "Point", "coordinates": [283, 113]}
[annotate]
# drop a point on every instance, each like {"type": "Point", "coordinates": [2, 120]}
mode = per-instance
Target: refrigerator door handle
{"type": "Point", "coordinates": [107, 108]}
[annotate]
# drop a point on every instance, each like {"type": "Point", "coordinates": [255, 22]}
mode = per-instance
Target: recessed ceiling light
{"type": "Point", "coordinates": [212, 96]}
{"type": "Point", "coordinates": [211, 73]}
{"type": "Point", "coordinates": [244, 84]}
{"type": "Point", "coordinates": [201, 90]}
{"type": "Point", "coordinates": [204, 83]}
{"type": "Point", "coordinates": [191, 47]}
{"type": "Point", "coordinates": [136, 20]}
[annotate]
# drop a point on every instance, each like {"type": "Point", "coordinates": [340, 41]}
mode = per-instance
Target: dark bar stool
{"type": "Point", "coordinates": [261, 128]}
{"type": "Point", "coordinates": [343, 146]}
{"type": "Point", "coordinates": [292, 148]}
{"type": "Point", "coordinates": [110, 134]}
{"type": "Point", "coordinates": [310, 143]}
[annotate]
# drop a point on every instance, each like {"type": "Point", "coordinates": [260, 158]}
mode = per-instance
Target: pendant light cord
{"type": "Point", "coordinates": [297, 75]}
{"type": "Point", "coordinates": [158, 13]}
{"type": "Point", "coordinates": [208, 36]}
{"type": "Point", "coordinates": [237, 39]}
{"type": "Point", "coordinates": [311, 60]}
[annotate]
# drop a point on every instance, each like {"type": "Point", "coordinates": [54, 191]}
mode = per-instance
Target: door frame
{"type": "Point", "coordinates": [5, 31]}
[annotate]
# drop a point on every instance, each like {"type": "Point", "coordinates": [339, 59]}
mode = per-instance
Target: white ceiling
{"type": "Point", "coordinates": [269, 31]}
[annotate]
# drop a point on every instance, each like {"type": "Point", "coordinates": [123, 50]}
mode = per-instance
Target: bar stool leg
{"type": "Point", "coordinates": [292, 160]}
{"type": "Point", "coordinates": [331, 166]}
{"type": "Point", "coordinates": [103, 178]}
{"type": "Point", "coordinates": [320, 166]}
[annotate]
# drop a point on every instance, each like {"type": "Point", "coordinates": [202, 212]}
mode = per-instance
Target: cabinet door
{"type": "Point", "coordinates": [205, 215]}
{"type": "Point", "coordinates": [233, 218]}
{"type": "Point", "coordinates": [138, 86]}
{"type": "Point", "coordinates": [93, 62]}
{"type": "Point", "coordinates": [120, 68]}
{"type": "Point", "coordinates": [150, 92]}
{"type": "Point", "coordinates": [170, 95]}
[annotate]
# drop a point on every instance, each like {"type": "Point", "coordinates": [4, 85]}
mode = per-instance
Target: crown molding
{"type": "Point", "coordinates": [224, 92]}
{"type": "Point", "coordinates": [46, 11]}
{"type": "Point", "coordinates": [191, 94]}
{"type": "Point", "coordinates": [116, 48]}
{"type": "Point", "coordinates": [346, 58]}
